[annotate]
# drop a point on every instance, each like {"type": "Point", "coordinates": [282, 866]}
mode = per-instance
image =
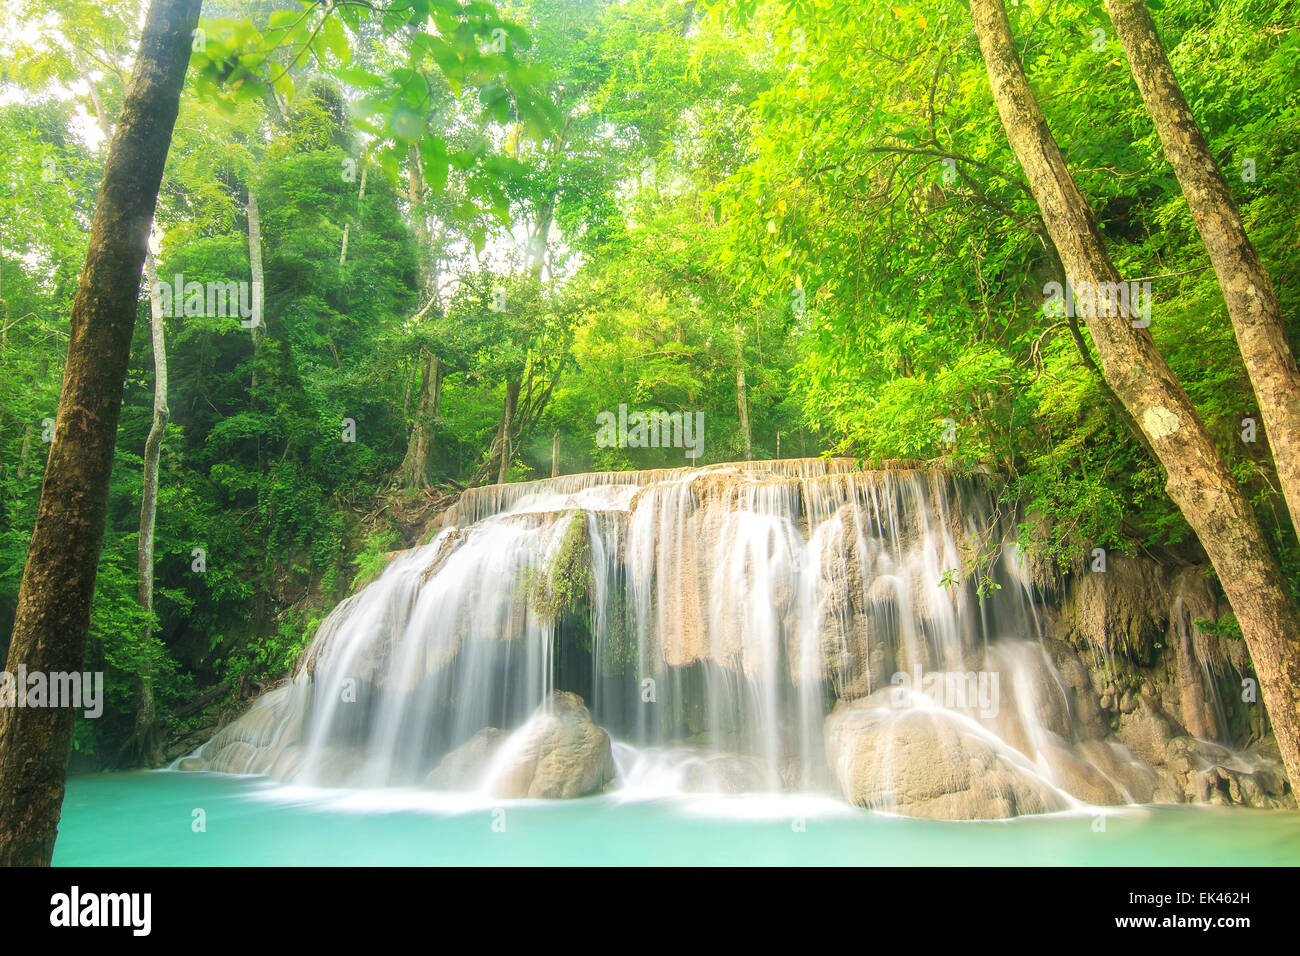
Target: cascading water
{"type": "Point", "coordinates": [712, 619]}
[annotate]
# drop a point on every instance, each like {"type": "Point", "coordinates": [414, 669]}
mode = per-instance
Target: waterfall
{"type": "Point", "coordinates": [724, 625]}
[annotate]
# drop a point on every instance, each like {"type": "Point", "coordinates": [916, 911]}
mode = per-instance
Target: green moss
{"type": "Point", "coordinates": [564, 584]}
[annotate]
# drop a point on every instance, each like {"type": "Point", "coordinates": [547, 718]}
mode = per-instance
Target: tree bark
{"type": "Point", "coordinates": [538, 241]}
{"type": "Point", "coordinates": [25, 451]}
{"type": "Point", "coordinates": [742, 396]}
{"type": "Point", "coordinates": [1247, 289]}
{"type": "Point", "coordinates": [1198, 480]}
{"type": "Point", "coordinates": [423, 245]}
{"type": "Point", "coordinates": [145, 737]}
{"type": "Point", "coordinates": [347, 226]}
{"type": "Point", "coordinates": [257, 324]}
{"type": "Point", "coordinates": [555, 455]}
{"type": "Point", "coordinates": [148, 741]}
{"type": "Point", "coordinates": [54, 600]}
{"type": "Point", "coordinates": [507, 417]}
{"type": "Point", "coordinates": [416, 470]}
{"type": "Point", "coordinates": [417, 466]}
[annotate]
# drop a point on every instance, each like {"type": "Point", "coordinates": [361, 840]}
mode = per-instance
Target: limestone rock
{"type": "Point", "coordinates": [463, 768]}
{"type": "Point", "coordinates": [1134, 781]}
{"type": "Point", "coordinates": [252, 743]}
{"type": "Point", "coordinates": [1083, 779]}
{"type": "Point", "coordinates": [1082, 701]}
{"type": "Point", "coordinates": [926, 763]}
{"type": "Point", "coordinates": [558, 753]}
{"type": "Point", "coordinates": [1210, 773]}
{"type": "Point", "coordinates": [1147, 730]}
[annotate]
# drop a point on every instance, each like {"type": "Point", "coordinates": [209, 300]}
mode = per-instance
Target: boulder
{"type": "Point", "coordinates": [558, 753]}
{"type": "Point", "coordinates": [930, 763]}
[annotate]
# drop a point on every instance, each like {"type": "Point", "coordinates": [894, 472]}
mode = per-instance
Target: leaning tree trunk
{"type": "Point", "coordinates": [1199, 481]}
{"type": "Point", "coordinates": [54, 599]}
{"type": "Point", "coordinates": [1247, 289]}
{"type": "Point", "coordinates": [147, 740]}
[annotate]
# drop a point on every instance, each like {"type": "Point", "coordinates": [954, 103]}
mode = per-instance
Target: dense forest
{"type": "Point", "coordinates": [442, 252]}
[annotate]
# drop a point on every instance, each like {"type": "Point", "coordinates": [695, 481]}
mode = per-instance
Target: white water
{"type": "Point", "coordinates": [728, 608]}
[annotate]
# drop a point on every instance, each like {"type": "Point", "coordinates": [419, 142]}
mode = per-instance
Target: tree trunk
{"type": "Point", "coordinates": [555, 455]}
{"type": "Point", "coordinates": [538, 242]}
{"type": "Point", "coordinates": [147, 738]}
{"type": "Point", "coordinates": [406, 390]}
{"type": "Point", "coordinates": [256, 323]}
{"type": "Point", "coordinates": [507, 418]}
{"type": "Point", "coordinates": [25, 452]}
{"type": "Point", "coordinates": [742, 395]}
{"type": "Point", "coordinates": [54, 599]}
{"type": "Point", "coordinates": [423, 251]}
{"type": "Point", "coordinates": [347, 226]}
{"type": "Point", "coordinates": [1247, 289]}
{"type": "Point", "coordinates": [417, 466]}
{"type": "Point", "coordinates": [1198, 480]}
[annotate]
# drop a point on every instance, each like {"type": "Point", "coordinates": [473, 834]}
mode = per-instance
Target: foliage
{"type": "Point", "coordinates": [803, 217]}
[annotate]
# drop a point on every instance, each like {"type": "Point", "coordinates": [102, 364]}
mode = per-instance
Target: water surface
{"type": "Point", "coordinates": [148, 818]}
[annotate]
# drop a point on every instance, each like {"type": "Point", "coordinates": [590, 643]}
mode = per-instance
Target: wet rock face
{"type": "Point", "coordinates": [464, 767]}
{"type": "Point", "coordinates": [252, 744]}
{"type": "Point", "coordinates": [925, 763]}
{"type": "Point", "coordinates": [1082, 700]}
{"type": "Point", "coordinates": [1147, 730]}
{"type": "Point", "coordinates": [1201, 771]}
{"type": "Point", "coordinates": [1150, 628]}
